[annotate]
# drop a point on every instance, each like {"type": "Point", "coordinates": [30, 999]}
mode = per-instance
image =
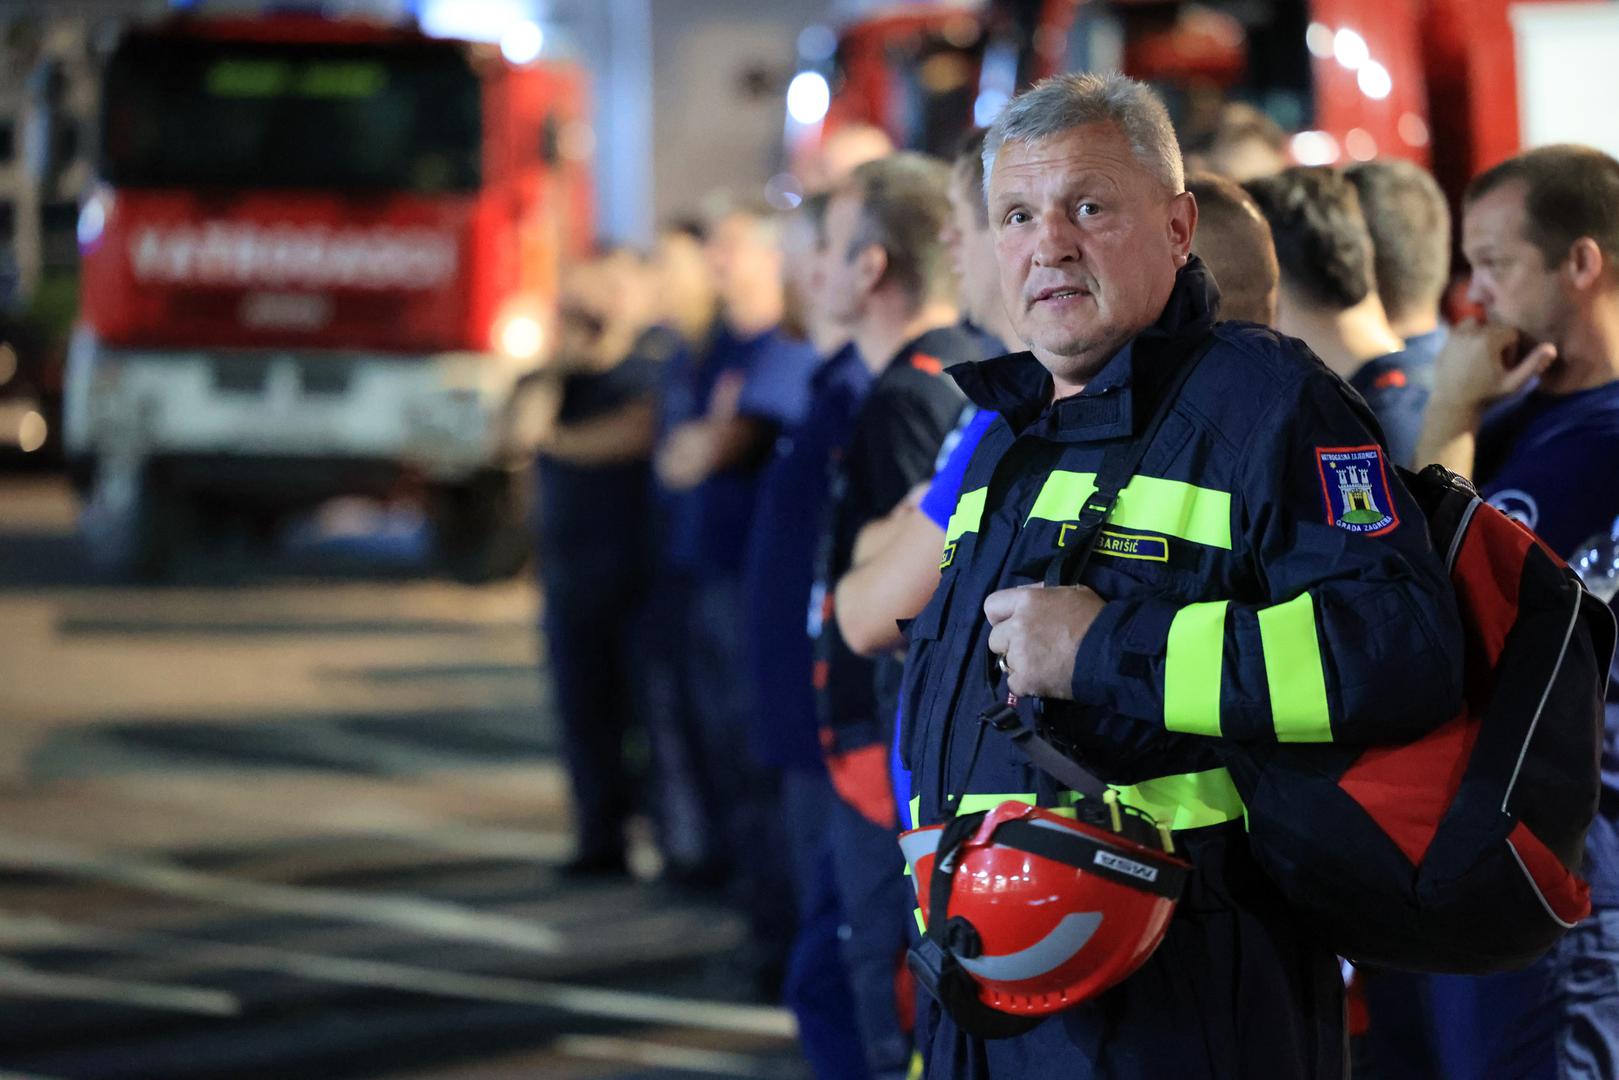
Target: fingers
{"type": "Point", "coordinates": [1002, 605]}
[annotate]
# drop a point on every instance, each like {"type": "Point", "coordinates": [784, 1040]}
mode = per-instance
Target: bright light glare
{"type": "Point", "coordinates": [1314, 148]}
{"type": "Point", "coordinates": [1350, 49]}
{"type": "Point", "coordinates": [92, 220]}
{"type": "Point", "coordinates": [988, 107]}
{"type": "Point", "coordinates": [1374, 80]}
{"type": "Point", "coordinates": [1360, 144]}
{"type": "Point", "coordinates": [1318, 39]}
{"type": "Point", "coordinates": [521, 337]}
{"type": "Point", "coordinates": [523, 43]}
{"type": "Point", "coordinates": [1413, 130]}
{"type": "Point", "coordinates": [808, 98]}
{"type": "Point", "coordinates": [31, 432]}
{"type": "Point", "coordinates": [471, 20]}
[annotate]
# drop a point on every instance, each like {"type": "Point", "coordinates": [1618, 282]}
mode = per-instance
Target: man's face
{"type": "Point", "coordinates": [741, 253]}
{"type": "Point", "coordinates": [1088, 242]}
{"type": "Point", "coordinates": [846, 278]}
{"type": "Point", "coordinates": [1511, 280]}
{"type": "Point", "coordinates": [971, 244]}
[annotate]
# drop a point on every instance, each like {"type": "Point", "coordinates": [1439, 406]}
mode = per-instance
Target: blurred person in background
{"type": "Point", "coordinates": [1233, 240]}
{"type": "Point", "coordinates": [723, 405]}
{"type": "Point", "coordinates": [1243, 145]}
{"type": "Point", "coordinates": [794, 492]}
{"type": "Point", "coordinates": [594, 555]}
{"type": "Point", "coordinates": [896, 558]}
{"type": "Point", "coordinates": [842, 150]}
{"type": "Point", "coordinates": [1329, 297]}
{"type": "Point", "coordinates": [1409, 221]}
{"type": "Point", "coordinates": [1527, 404]}
{"type": "Point", "coordinates": [680, 287]}
{"type": "Point", "coordinates": [888, 282]}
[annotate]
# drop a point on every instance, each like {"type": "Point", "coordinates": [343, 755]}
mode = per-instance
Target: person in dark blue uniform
{"type": "Point", "coordinates": [793, 497]}
{"type": "Point", "coordinates": [722, 409]}
{"type": "Point", "coordinates": [1329, 297]}
{"type": "Point", "coordinates": [1528, 405]}
{"type": "Point", "coordinates": [1264, 577]}
{"type": "Point", "coordinates": [888, 282]}
{"type": "Point", "coordinates": [595, 561]}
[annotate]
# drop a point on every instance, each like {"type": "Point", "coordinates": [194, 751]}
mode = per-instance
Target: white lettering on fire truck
{"type": "Point", "coordinates": [309, 256]}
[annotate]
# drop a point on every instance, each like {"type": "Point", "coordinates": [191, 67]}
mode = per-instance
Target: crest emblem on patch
{"type": "Point", "coordinates": [1355, 485]}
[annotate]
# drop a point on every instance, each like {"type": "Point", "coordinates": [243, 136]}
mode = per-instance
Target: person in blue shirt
{"type": "Point", "coordinates": [1409, 222]}
{"type": "Point", "coordinates": [1329, 297]}
{"type": "Point", "coordinates": [1527, 404]}
{"type": "Point", "coordinates": [723, 405]}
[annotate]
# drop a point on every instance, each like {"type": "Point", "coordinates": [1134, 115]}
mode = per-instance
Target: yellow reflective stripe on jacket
{"type": "Point", "coordinates": [1293, 672]}
{"type": "Point", "coordinates": [1182, 801]}
{"type": "Point", "coordinates": [1193, 661]}
{"type": "Point", "coordinates": [1147, 504]}
{"type": "Point", "coordinates": [967, 515]}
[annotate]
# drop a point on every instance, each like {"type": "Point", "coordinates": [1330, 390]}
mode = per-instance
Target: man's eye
{"type": "Point", "coordinates": [1016, 217]}
{"type": "Point", "coordinates": [1089, 209]}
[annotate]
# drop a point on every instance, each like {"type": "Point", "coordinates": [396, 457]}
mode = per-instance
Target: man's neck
{"type": "Point", "coordinates": [750, 316]}
{"type": "Point", "coordinates": [1415, 324]}
{"type": "Point", "coordinates": [1346, 339]}
{"type": "Point", "coordinates": [1588, 354]}
{"type": "Point", "coordinates": [889, 325]}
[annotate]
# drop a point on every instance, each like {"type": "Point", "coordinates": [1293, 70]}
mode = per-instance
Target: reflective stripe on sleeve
{"type": "Point", "coordinates": [1192, 669]}
{"type": "Point", "coordinates": [1293, 672]}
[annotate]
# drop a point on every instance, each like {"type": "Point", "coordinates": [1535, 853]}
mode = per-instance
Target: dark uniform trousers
{"type": "Point", "coordinates": [1267, 579]}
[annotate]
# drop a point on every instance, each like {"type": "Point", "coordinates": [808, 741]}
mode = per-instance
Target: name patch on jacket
{"type": "Point", "coordinates": [1122, 545]}
{"type": "Point", "coordinates": [1355, 487]}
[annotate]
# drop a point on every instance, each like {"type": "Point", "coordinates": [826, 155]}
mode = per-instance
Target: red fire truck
{"type": "Point", "coordinates": [320, 258]}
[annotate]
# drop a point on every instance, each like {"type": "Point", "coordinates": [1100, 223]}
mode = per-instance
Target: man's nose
{"type": "Point", "coordinates": [1478, 292]}
{"type": "Point", "coordinates": [1056, 240]}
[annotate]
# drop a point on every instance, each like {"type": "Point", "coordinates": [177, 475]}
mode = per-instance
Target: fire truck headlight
{"type": "Point", "coordinates": [520, 336]}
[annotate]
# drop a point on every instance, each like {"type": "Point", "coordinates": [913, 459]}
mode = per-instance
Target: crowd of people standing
{"type": "Point", "coordinates": [755, 478]}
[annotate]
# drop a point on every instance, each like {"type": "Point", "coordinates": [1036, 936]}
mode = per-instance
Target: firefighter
{"type": "Point", "coordinates": [1264, 577]}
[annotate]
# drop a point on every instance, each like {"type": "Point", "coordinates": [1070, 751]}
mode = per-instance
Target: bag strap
{"type": "Point", "coordinates": [1119, 464]}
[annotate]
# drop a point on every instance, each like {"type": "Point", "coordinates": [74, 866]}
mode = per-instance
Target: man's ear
{"type": "Point", "coordinates": [1182, 225]}
{"type": "Point", "coordinates": [871, 266]}
{"type": "Point", "coordinates": [1586, 263]}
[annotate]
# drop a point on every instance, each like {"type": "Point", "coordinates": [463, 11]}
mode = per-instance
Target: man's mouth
{"type": "Point", "coordinates": [1061, 292]}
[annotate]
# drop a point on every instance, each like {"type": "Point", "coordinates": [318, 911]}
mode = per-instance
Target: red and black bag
{"type": "Point", "coordinates": [1458, 852]}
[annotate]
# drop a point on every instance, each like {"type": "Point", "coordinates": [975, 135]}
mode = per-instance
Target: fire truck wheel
{"type": "Point", "coordinates": [133, 522]}
{"type": "Point", "coordinates": [480, 527]}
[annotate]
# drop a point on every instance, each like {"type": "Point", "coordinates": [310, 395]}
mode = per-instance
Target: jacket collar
{"type": "Point", "coordinates": [1019, 387]}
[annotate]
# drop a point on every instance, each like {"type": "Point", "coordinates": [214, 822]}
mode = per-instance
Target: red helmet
{"type": "Point", "coordinates": [1040, 911]}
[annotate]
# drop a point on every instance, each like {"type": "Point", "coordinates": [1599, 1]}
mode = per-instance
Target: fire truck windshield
{"type": "Point", "coordinates": [189, 113]}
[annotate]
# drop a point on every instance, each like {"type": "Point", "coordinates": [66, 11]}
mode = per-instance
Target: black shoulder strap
{"type": "Point", "coordinates": [1119, 464]}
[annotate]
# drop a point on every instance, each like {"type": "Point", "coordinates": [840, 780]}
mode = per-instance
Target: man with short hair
{"type": "Point", "coordinates": [1233, 240]}
{"type": "Point", "coordinates": [1527, 404]}
{"type": "Point", "coordinates": [1233, 597]}
{"type": "Point", "coordinates": [1409, 222]}
{"type": "Point", "coordinates": [889, 283]}
{"type": "Point", "coordinates": [1329, 297]}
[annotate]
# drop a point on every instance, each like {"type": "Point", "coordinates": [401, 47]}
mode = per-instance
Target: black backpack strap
{"type": "Point", "coordinates": [1119, 464]}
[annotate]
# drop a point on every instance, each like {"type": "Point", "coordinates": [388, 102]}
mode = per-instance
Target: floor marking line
{"type": "Point", "coordinates": [584, 1000]}
{"type": "Point", "coordinates": [20, 980]}
{"type": "Point", "coordinates": [430, 918]}
{"type": "Point", "coordinates": [659, 1055]}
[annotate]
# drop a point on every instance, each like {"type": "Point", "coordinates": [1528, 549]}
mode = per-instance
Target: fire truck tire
{"type": "Point", "coordinates": [480, 527]}
{"type": "Point", "coordinates": [133, 525]}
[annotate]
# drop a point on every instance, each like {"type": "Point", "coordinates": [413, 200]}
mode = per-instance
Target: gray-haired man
{"type": "Point", "coordinates": [1230, 600]}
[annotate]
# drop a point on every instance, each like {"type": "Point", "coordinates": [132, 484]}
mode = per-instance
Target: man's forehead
{"type": "Point", "coordinates": [1499, 210]}
{"type": "Point", "coordinates": [1090, 151]}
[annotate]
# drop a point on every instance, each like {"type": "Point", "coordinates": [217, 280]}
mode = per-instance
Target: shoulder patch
{"type": "Point", "coordinates": [1389, 380]}
{"type": "Point", "coordinates": [930, 364]}
{"type": "Point", "coordinates": [1355, 487]}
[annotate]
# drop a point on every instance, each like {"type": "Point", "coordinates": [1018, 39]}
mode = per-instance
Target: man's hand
{"type": "Point", "coordinates": [1037, 633]}
{"type": "Point", "coordinates": [686, 457]}
{"type": "Point", "coordinates": [1479, 365]}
